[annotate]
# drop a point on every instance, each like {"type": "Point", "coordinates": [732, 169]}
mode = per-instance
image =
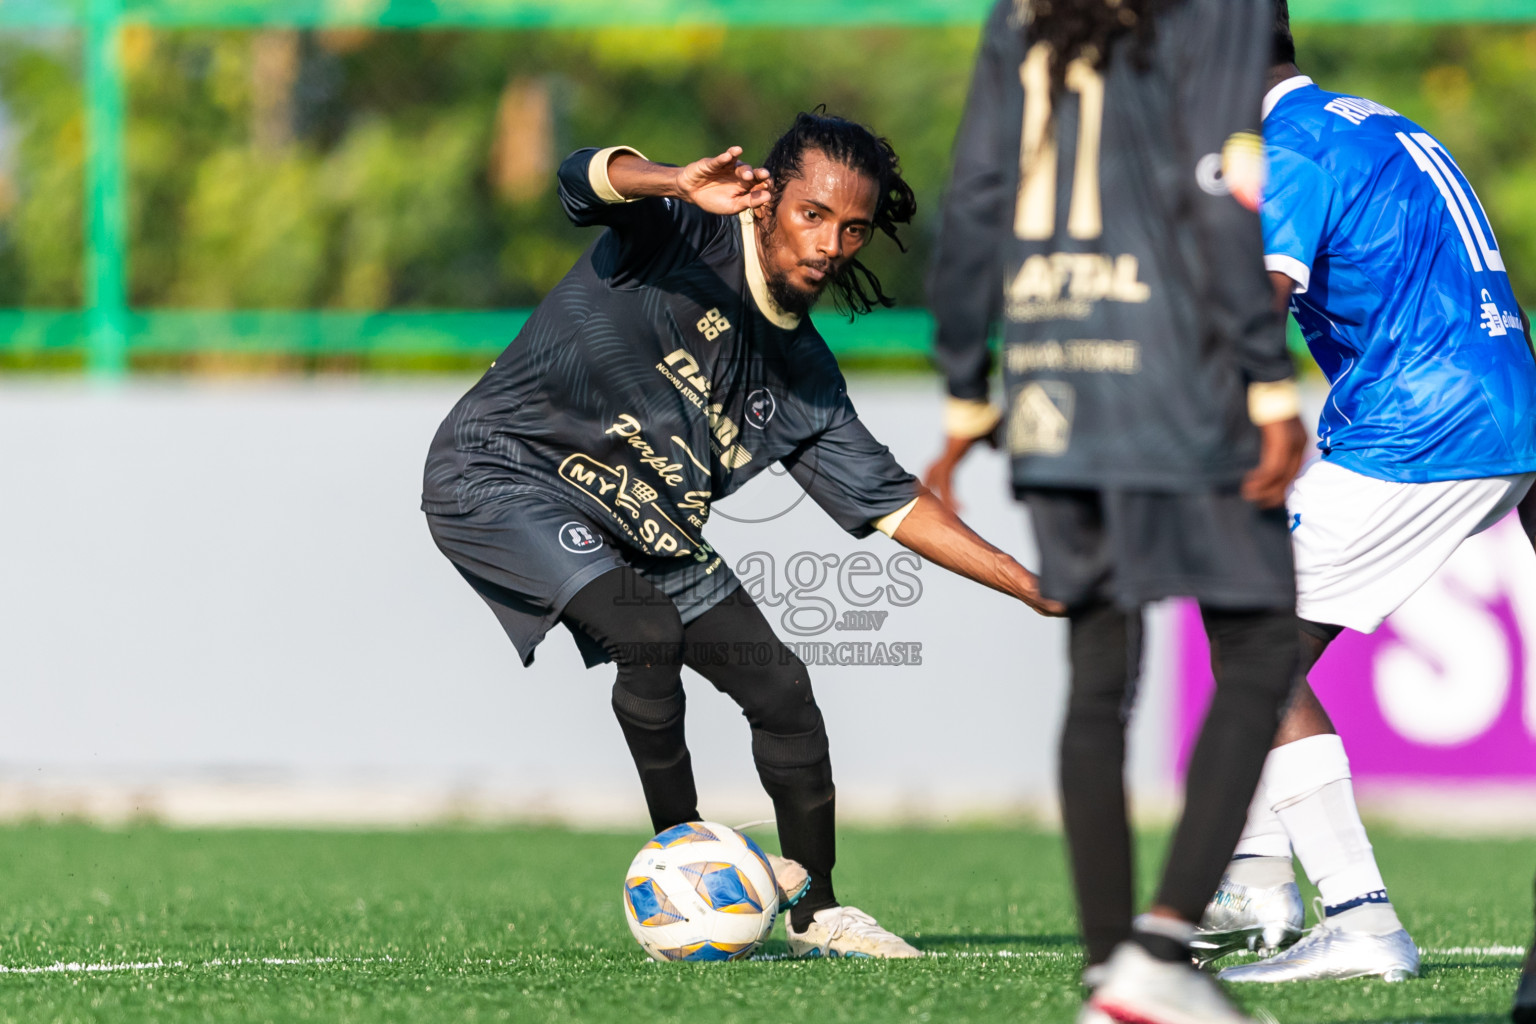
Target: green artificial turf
{"type": "Point", "coordinates": [525, 925]}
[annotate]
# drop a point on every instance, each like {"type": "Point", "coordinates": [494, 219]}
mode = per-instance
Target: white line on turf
{"type": "Point", "coordinates": [162, 965]}
{"type": "Point", "coordinates": [317, 961]}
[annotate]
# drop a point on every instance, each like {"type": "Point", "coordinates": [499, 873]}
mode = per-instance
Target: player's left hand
{"type": "Point", "coordinates": [1281, 447]}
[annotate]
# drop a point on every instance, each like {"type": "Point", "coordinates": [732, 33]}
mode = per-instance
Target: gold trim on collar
{"type": "Point", "coordinates": [756, 281]}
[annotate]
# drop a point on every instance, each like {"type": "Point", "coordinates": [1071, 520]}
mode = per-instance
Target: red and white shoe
{"type": "Point", "coordinates": [1138, 988]}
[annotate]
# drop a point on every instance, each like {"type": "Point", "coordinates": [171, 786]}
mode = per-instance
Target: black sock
{"type": "Point", "coordinates": [639, 628]}
{"type": "Point", "coordinates": [1256, 657]}
{"type": "Point", "coordinates": [653, 729]}
{"type": "Point", "coordinates": [1162, 947]}
{"type": "Point", "coordinates": [805, 806]}
{"type": "Point", "coordinates": [1104, 651]}
{"type": "Point", "coordinates": [789, 738]}
{"type": "Point", "coordinates": [1163, 937]}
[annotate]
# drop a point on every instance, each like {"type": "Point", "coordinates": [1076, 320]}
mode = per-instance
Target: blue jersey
{"type": "Point", "coordinates": [1401, 293]}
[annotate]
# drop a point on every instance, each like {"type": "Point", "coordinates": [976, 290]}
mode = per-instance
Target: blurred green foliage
{"type": "Point", "coordinates": [358, 169]}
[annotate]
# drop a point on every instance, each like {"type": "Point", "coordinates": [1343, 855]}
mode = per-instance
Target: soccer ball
{"type": "Point", "coordinates": [700, 891]}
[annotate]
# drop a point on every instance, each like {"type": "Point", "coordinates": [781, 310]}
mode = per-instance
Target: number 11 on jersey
{"type": "Point", "coordinates": [1034, 216]}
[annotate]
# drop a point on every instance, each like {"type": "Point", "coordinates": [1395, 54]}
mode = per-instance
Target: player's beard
{"type": "Point", "coordinates": [791, 297]}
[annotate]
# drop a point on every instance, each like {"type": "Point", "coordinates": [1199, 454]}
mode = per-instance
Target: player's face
{"type": "Point", "coordinates": [821, 221]}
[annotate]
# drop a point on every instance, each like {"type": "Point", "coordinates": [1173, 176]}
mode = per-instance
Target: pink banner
{"type": "Point", "coordinates": [1445, 689]}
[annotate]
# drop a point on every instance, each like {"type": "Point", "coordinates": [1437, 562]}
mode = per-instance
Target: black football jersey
{"type": "Point", "coordinates": [1102, 225]}
{"type": "Point", "coordinates": [655, 378]}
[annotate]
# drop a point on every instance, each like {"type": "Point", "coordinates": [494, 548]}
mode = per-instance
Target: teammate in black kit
{"type": "Point", "coordinates": [672, 364]}
{"type": "Point", "coordinates": [1092, 209]}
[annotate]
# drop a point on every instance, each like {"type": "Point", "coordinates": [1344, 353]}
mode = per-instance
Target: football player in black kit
{"type": "Point", "coordinates": [672, 364]}
{"type": "Point", "coordinates": [1151, 416]}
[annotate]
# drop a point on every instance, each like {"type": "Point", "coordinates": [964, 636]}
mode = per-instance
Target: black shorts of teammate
{"type": "Point", "coordinates": [1135, 547]}
{"type": "Point", "coordinates": [527, 554]}
{"type": "Point", "coordinates": [1104, 555]}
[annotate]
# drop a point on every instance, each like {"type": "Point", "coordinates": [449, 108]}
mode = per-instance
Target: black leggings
{"type": "Point", "coordinates": [733, 647]}
{"type": "Point", "coordinates": [1255, 656]}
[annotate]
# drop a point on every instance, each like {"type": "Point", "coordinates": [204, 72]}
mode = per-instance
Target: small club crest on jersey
{"type": "Point", "coordinates": [712, 325]}
{"type": "Point", "coordinates": [1041, 423]}
{"type": "Point", "coordinates": [760, 408]}
{"type": "Point", "coordinates": [579, 538]}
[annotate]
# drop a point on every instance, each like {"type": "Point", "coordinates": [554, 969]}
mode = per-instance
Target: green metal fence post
{"type": "Point", "coordinates": [106, 193]}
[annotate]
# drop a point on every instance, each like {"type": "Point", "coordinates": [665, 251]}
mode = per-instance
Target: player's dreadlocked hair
{"type": "Point", "coordinates": [1089, 29]}
{"type": "Point", "coordinates": [1284, 45]}
{"type": "Point", "coordinates": [855, 290]}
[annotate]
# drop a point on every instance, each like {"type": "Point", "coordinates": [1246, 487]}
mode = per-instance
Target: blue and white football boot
{"type": "Point", "coordinates": [792, 879]}
{"type": "Point", "coordinates": [1331, 951]}
{"type": "Point", "coordinates": [1244, 917]}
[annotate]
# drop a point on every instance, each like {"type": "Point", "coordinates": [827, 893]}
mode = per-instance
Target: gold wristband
{"type": "Point", "coordinates": [1273, 401]}
{"type": "Point", "coordinates": [597, 173]}
{"type": "Point", "coordinates": [970, 417]}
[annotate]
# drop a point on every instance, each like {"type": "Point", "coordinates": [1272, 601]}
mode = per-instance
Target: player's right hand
{"type": "Point", "coordinates": [724, 184]}
{"type": "Point", "coordinates": [1281, 447]}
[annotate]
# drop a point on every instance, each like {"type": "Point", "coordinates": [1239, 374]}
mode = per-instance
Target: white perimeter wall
{"type": "Point", "coordinates": [220, 602]}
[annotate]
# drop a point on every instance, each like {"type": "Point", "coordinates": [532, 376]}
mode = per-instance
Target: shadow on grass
{"type": "Point", "coordinates": [938, 941]}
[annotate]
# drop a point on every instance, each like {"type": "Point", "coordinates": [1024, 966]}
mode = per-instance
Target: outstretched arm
{"type": "Point", "coordinates": [938, 535]}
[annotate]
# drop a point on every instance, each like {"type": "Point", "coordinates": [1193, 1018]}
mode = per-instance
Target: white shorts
{"type": "Point", "coordinates": [1363, 545]}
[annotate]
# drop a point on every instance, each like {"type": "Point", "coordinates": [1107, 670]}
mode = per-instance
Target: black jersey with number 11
{"type": "Point", "coordinates": [1112, 227]}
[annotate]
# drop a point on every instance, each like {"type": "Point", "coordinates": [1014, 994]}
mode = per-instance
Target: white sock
{"type": "Point", "coordinates": [1308, 785]}
{"type": "Point", "coordinates": [1262, 859]}
{"type": "Point", "coordinates": [1263, 832]}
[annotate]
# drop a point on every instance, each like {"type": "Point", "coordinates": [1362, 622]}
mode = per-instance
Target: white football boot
{"type": "Point", "coordinates": [1138, 988]}
{"type": "Point", "coordinates": [792, 880]}
{"type": "Point", "coordinates": [1329, 951]}
{"type": "Point", "coordinates": [847, 931]}
{"type": "Point", "coordinates": [1260, 920]}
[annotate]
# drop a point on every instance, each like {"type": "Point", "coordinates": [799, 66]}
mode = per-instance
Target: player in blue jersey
{"type": "Point", "coordinates": [1396, 279]}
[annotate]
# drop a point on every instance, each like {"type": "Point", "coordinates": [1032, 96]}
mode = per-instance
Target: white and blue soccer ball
{"type": "Point", "coordinates": [698, 892]}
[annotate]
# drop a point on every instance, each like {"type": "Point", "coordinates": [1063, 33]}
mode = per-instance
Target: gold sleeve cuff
{"type": "Point", "coordinates": [887, 523]}
{"type": "Point", "coordinates": [1273, 401]}
{"type": "Point", "coordinates": [970, 417]}
{"type": "Point", "coordinates": [597, 173]}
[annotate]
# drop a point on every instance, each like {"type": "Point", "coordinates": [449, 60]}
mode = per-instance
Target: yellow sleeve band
{"type": "Point", "coordinates": [597, 173]}
{"type": "Point", "coordinates": [887, 523]}
{"type": "Point", "coordinates": [1273, 401]}
{"type": "Point", "coordinates": [970, 417]}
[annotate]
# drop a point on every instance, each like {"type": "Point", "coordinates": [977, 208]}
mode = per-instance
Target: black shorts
{"type": "Point", "coordinates": [1133, 547]}
{"type": "Point", "coordinates": [527, 554]}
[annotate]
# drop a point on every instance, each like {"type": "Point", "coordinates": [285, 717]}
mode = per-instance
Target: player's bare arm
{"type": "Point", "coordinates": [1283, 441]}
{"type": "Point", "coordinates": [933, 531]}
{"type": "Point", "coordinates": [965, 423]}
{"type": "Point", "coordinates": [722, 184]}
